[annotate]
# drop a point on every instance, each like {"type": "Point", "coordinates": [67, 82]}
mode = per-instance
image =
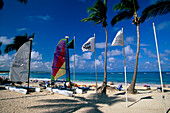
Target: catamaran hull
{"type": "Point", "coordinates": [63, 92]}
{"type": "Point", "coordinates": [19, 90]}
{"type": "Point", "coordinates": [22, 90]}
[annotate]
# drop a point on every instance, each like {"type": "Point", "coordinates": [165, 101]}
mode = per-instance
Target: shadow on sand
{"type": "Point", "coordinates": [147, 97]}
{"type": "Point", "coordinates": [93, 101]}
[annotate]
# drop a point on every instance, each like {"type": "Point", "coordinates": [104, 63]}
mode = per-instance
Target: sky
{"type": "Point", "coordinates": [52, 20]}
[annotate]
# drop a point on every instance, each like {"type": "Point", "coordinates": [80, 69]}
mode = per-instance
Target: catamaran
{"type": "Point", "coordinates": [60, 67]}
{"type": "Point", "coordinates": [20, 68]}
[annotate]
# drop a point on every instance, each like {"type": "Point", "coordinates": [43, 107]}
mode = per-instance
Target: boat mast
{"type": "Point", "coordinates": [68, 60]}
{"type": "Point", "coordinates": [29, 63]}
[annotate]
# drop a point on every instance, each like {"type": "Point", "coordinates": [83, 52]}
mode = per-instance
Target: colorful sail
{"type": "Point", "coordinates": [59, 66]}
{"type": "Point", "coordinates": [20, 65]}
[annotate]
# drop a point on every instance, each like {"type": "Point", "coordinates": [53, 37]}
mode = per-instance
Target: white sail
{"type": "Point", "coordinates": [20, 65]}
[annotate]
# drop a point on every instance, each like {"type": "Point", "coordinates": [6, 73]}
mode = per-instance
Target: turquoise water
{"type": "Point", "coordinates": [118, 77]}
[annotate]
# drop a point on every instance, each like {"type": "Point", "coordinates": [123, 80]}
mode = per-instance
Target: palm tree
{"type": "Point", "coordinates": [0, 46]}
{"type": "Point", "coordinates": [128, 9]}
{"type": "Point", "coordinates": [18, 42]}
{"type": "Point", "coordinates": [159, 8]}
{"type": "Point", "coordinates": [97, 14]}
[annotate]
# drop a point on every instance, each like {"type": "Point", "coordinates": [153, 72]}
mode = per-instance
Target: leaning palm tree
{"type": "Point", "coordinates": [161, 7]}
{"type": "Point", "coordinates": [0, 46]}
{"type": "Point", "coordinates": [97, 14]}
{"type": "Point", "coordinates": [18, 42]}
{"type": "Point", "coordinates": [128, 9]}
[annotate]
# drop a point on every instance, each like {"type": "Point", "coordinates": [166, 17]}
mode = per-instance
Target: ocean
{"type": "Point", "coordinates": [116, 77]}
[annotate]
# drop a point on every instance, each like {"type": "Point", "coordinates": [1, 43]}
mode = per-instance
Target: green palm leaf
{"type": "Point", "coordinates": [120, 16]}
{"type": "Point", "coordinates": [97, 13]}
{"type": "Point", "coordinates": [23, 1]}
{"type": "Point", "coordinates": [159, 8]}
{"type": "Point", "coordinates": [9, 48]}
{"type": "Point", "coordinates": [18, 42]}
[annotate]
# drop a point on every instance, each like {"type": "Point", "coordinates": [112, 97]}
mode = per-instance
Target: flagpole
{"type": "Point", "coordinates": [95, 60]}
{"type": "Point", "coordinates": [163, 96]}
{"type": "Point", "coordinates": [74, 68]}
{"type": "Point", "coordinates": [125, 69]}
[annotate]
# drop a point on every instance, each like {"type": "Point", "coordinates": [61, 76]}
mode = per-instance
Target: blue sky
{"type": "Point", "coordinates": [52, 20]}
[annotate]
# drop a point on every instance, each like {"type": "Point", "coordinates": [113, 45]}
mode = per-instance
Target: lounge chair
{"type": "Point", "coordinates": [119, 87]}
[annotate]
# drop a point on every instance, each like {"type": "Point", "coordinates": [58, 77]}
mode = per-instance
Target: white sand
{"type": "Point", "coordinates": [146, 101]}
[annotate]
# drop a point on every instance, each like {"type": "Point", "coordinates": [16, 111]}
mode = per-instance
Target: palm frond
{"type": "Point", "coordinates": [97, 13]}
{"type": "Point", "coordinates": [1, 4]}
{"type": "Point", "coordinates": [131, 5]}
{"type": "Point", "coordinates": [159, 8]}
{"type": "Point", "coordinates": [32, 36]}
{"type": "Point", "coordinates": [23, 1]}
{"type": "Point", "coordinates": [120, 16]}
{"type": "Point", "coordinates": [9, 48]}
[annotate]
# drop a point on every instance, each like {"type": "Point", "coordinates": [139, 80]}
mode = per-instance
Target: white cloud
{"type": "Point", "coordinates": [167, 51]}
{"type": "Point", "coordinates": [144, 45]}
{"type": "Point", "coordinates": [100, 57]}
{"type": "Point", "coordinates": [149, 53]}
{"type": "Point", "coordinates": [98, 62]}
{"type": "Point", "coordinates": [82, 64]}
{"type": "Point", "coordinates": [101, 45]}
{"type": "Point", "coordinates": [163, 25]}
{"type": "Point", "coordinates": [113, 53]}
{"type": "Point", "coordinates": [130, 58]}
{"type": "Point", "coordinates": [147, 62]}
{"type": "Point", "coordinates": [5, 57]}
{"type": "Point", "coordinates": [128, 50]}
{"type": "Point", "coordinates": [36, 64]}
{"type": "Point", "coordinates": [87, 55]}
{"type": "Point", "coordinates": [5, 61]}
{"type": "Point", "coordinates": [21, 29]}
{"type": "Point", "coordinates": [166, 59]}
{"type": "Point", "coordinates": [5, 40]}
{"type": "Point", "coordinates": [36, 55]}
{"type": "Point", "coordinates": [48, 64]}
{"type": "Point", "coordinates": [39, 18]}
{"type": "Point", "coordinates": [129, 40]}
{"type": "Point", "coordinates": [77, 57]}
{"type": "Point", "coordinates": [111, 59]}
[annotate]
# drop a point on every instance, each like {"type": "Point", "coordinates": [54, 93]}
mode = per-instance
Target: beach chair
{"type": "Point", "coordinates": [119, 87]}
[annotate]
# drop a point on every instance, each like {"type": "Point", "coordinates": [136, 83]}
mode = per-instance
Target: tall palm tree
{"type": "Point", "coordinates": [18, 42]}
{"type": "Point", "coordinates": [0, 46]}
{"type": "Point", "coordinates": [161, 7]}
{"type": "Point", "coordinates": [128, 9]}
{"type": "Point", "coordinates": [97, 14]}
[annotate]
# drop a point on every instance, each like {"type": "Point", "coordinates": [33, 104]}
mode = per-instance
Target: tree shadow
{"type": "Point", "coordinates": [147, 97]}
{"type": "Point", "coordinates": [25, 96]}
{"type": "Point", "coordinates": [92, 101]}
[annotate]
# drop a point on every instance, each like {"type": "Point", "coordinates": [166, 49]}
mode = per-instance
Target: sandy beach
{"type": "Point", "coordinates": [146, 101]}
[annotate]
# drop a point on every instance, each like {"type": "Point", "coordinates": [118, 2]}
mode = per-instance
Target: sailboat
{"type": "Point", "coordinates": [20, 68]}
{"type": "Point", "coordinates": [60, 67]}
{"type": "Point", "coordinates": [60, 64]}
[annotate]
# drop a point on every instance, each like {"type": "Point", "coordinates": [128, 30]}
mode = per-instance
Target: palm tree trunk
{"type": "Point", "coordinates": [104, 85]}
{"type": "Point", "coordinates": [131, 88]}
